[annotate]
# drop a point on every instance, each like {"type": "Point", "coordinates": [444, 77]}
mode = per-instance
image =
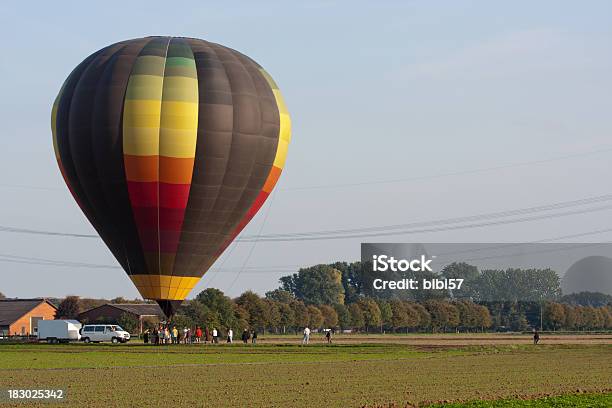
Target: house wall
{"type": "Point", "coordinates": [44, 310]}
{"type": "Point", "coordinates": [104, 311]}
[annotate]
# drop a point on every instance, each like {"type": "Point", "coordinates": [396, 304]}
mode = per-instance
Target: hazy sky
{"type": "Point", "coordinates": [400, 90]}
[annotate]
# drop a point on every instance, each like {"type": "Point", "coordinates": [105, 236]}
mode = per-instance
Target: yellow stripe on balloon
{"type": "Point", "coordinates": [284, 136]}
{"type": "Point", "coordinates": [164, 287]}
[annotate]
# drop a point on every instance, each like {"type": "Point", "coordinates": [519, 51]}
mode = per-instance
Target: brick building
{"type": "Point", "coordinates": [19, 317]}
{"type": "Point", "coordinates": [110, 313]}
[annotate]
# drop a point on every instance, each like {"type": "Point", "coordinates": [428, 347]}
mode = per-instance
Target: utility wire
{"type": "Point", "coordinates": [261, 228]}
{"type": "Point", "coordinates": [455, 220]}
{"type": "Point", "coordinates": [278, 268]}
{"type": "Point", "coordinates": [397, 229]}
{"type": "Point", "coordinates": [433, 229]}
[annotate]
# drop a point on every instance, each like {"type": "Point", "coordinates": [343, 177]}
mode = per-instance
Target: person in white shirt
{"type": "Point", "coordinates": [215, 336]}
{"type": "Point", "coordinates": [230, 335]}
{"type": "Point", "coordinates": [306, 338]}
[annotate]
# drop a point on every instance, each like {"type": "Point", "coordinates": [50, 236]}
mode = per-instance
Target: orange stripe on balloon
{"type": "Point", "coordinates": [141, 168]}
{"type": "Point", "coordinates": [272, 179]}
{"type": "Point", "coordinates": [176, 170]}
{"type": "Point", "coordinates": [172, 170]}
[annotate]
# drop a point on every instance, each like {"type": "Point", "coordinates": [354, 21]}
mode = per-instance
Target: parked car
{"type": "Point", "coordinates": [104, 332]}
{"type": "Point", "coordinates": [59, 331]}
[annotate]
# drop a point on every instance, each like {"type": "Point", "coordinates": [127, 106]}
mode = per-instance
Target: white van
{"type": "Point", "coordinates": [104, 332]}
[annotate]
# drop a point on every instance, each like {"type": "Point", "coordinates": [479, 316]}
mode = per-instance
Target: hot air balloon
{"type": "Point", "coordinates": [170, 146]}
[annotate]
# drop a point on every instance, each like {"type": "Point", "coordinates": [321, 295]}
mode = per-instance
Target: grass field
{"type": "Point", "coordinates": [359, 371]}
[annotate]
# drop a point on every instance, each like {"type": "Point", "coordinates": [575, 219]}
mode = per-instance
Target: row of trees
{"type": "Point", "coordinates": [564, 316]}
{"type": "Point", "coordinates": [346, 283]}
{"type": "Point", "coordinates": [279, 311]}
{"type": "Point", "coordinates": [339, 296]}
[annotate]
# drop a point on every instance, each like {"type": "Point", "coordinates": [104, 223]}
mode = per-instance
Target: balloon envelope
{"type": "Point", "coordinates": [170, 146]}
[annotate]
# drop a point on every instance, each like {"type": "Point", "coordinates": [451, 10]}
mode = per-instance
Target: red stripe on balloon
{"type": "Point", "coordinates": [257, 204]}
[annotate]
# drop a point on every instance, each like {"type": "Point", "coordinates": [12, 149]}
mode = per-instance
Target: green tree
{"type": "Point", "coordinates": [470, 275]}
{"type": "Point", "coordinates": [399, 314]}
{"type": "Point", "coordinates": [330, 317]}
{"type": "Point", "coordinates": [357, 318]}
{"type": "Point", "coordinates": [344, 316]}
{"type": "Point", "coordinates": [570, 317]}
{"type": "Point", "coordinates": [273, 314]}
{"type": "Point", "coordinates": [607, 312]}
{"type": "Point", "coordinates": [241, 319]}
{"type": "Point", "coordinates": [595, 299]}
{"type": "Point", "coordinates": [439, 314]}
{"type": "Point", "coordinates": [300, 313]}
{"type": "Point", "coordinates": [280, 295]}
{"type": "Point", "coordinates": [386, 313]}
{"type": "Point", "coordinates": [200, 314]}
{"type": "Point", "coordinates": [371, 312]}
{"type": "Point", "coordinates": [256, 308]}
{"type": "Point", "coordinates": [317, 285]}
{"type": "Point", "coordinates": [515, 285]}
{"type": "Point", "coordinates": [129, 323]}
{"type": "Point", "coordinates": [287, 316]}
{"type": "Point", "coordinates": [518, 321]}
{"type": "Point", "coordinates": [553, 315]}
{"type": "Point", "coordinates": [453, 315]}
{"type": "Point", "coordinates": [483, 317]}
{"type": "Point", "coordinates": [68, 308]}
{"type": "Point", "coordinates": [180, 321]}
{"type": "Point", "coordinates": [315, 317]}
{"type": "Point", "coordinates": [219, 306]}
{"type": "Point", "coordinates": [352, 280]}
{"type": "Point", "coordinates": [424, 318]}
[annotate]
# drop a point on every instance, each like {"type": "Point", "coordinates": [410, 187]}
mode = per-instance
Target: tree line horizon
{"type": "Point", "coordinates": [336, 296]}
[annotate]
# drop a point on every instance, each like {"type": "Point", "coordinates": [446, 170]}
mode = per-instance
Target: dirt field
{"type": "Point", "coordinates": [360, 372]}
{"type": "Point", "coordinates": [461, 339]}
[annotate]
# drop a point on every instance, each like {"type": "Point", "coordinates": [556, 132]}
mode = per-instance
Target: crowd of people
{"type": "Point", "coordinates": [170, 334]}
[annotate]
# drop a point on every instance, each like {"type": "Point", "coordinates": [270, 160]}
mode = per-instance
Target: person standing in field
{"type": "Point", "coordinates": [536, 337]}
{"type": "Point", "coordinates": [215, 336]}
{"type": "Point", "coordinates": [245, 336]}
{"type": "Point", "coordinates": [306, 338]}
{"type": "Point", "coordinates": [328, 336]}
{"type": "Point", "coordinates": [207, 338]}
{"type": "Point", "coordinates": [198, 334]}
{"type": "Point", "coordinates": [175, 334]}
{"type": "Point", "coordinates": [230, 335]}
{"type": "Point", "coordinates": [167, 335]}
{"type": "Point", "coordinates": [254, 337]}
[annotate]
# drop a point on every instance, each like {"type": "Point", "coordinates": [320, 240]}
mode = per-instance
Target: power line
{"type": "Point", "coordinates": [435, 229]}
{"type": "Point", "coordinates": [274, 268]}
{"type": "Point", "coordinates": [261, 228]}
{"type": "Point", "coordinates": [514, 244]}
{"type": "Point", "coordinates": [43, 232]}
{"type": "Point", "coordinates": [446, 221]}
{"type": "Point", "coordinates": [473, 221]}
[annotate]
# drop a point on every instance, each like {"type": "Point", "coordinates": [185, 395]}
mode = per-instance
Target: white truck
{"type": "Point", "coordinates": [59, 331]}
